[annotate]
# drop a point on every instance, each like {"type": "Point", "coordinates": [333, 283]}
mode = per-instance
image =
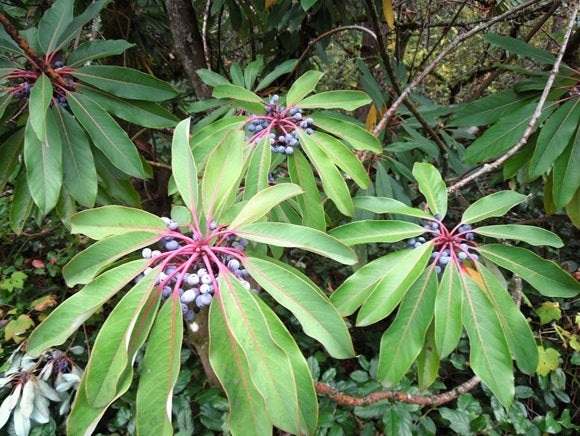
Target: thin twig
{"type": "Point", "coordinates": [458, 39]}
{"type": "Point", "coordinates": [497, 163]}
{"type": "Point", "coordinates": [204, 34]}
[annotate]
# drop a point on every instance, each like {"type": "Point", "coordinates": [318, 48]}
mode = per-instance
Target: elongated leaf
{"type": "Point", "coordinates": [183, 166]}
{"type": "Point", "coordinates": [529, 234]}
{"type": "Point", "coordinates": [248, 411]}
{"type": "Point", "coordinates": [126, 82]}
{"type": "Point", "coordinates": [353, 292]}
{"type": "Point", "coordinates": [105, 221]}
{"type": "Point", "coordinates": [388, 205]}
{"type": "Point", "coordinates": [302, 87]}
{"type": "Point", "coordinates": [296, 292]}
{"type": "Point", "coordinates": [110, 355]}
{"type": "Point", "coordinates": [554, 137]}
{"type": "Point", "coordinates": [489, 356]}
{"type": "Point", "coordinates": [53, 23]}
{"type": "Point", "coordinates": [10, 150]}
{"type": "Point", "coordinates": [222, 174]}
{"type": "Point", "coordinates": [40, 97]}
{"type": "Point", "coordinates": [357, 137]}
{"type": "Point", "coordinates": [97, 49]}
{"type": "Point", "coordinates": [546, 276]}
{"type": "Point", "coordinates": [363, 232]}
{"type": "Point", "coordinates": [404, 339]}
{"type": "Point", "coordinates": [390, 290]}
{"type": "Point", "coordinates": [347, 100]}
{"type": "Point", "coordinates": [432, 187]}
{"type": "Point", "coordinates": [139, 112]}
{"type": "Point", "coordinates": [519, 336]}
{"type": "Point", "coordinates": [261, 203]}
{"type": "Point", "coordinates": [74, 311]}
{"type": "Point", "coordinates": [258, 170]}
{"type": "Point", "coordinates": [343, 157]}
{"type": "Point", "coordinates": [496, 204]}
{"type": "Point", "coordinates": [389, 13]}
{"type": "Point", "coordinates": [448, 311]}
{"type": "Point", "coordinates": [332, 181]}
{"type": "Point", "coordinates": [79, 172]}
{"type": "Point", "coordinates": [290, 235]}
{"type": "Point", "coordinates": [79, 22]}
{"type": "Point", "coordinates": [211, 78]}
{"type": "Point", "coordinates": [5, 98]}
{"type": "Point", "coordinates": [310, 203]}
{"type": "Point", "coordinates": [21, 204]}
{"type": "Point", "coordinates": [566, 174]}
{"type": "Point", "coordinates": [236, 92]}
{"type": "Point", "coordinates": [428, 360]}
{"type": "Point", "coordinates": [519, 47]}
{"type": "Point", "coordinates": [43, 159]}
{"type": "Point", "coordinates": [87, 264]}
{"type": "Point", "coordinates": [573, 209]}
{"type": "Point", "coordinates": [284, 378]}
{"type": "Point", "coordinates": [281, 69]}
{"type": "Point", "coordinates": [207, 138]}
{"type": "Point", "coordinates": [107, 135]}
{"type": "Point", "coordinates": [159, 370]}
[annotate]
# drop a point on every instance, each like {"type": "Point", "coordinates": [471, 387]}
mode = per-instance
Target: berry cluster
{"type": "Point", "coordinates": [280, 124]}
{"type": "Point", "coordinates": [191, 264]}
{"type": "Point", "coordinates": [450, 245]}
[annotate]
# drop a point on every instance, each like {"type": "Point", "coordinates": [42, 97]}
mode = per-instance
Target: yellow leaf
{"type": "Point", "coordinates": [389, 14]}
{"type": "Point", "coordinates": [573, 209]}
{"type": "Point", "coordinates": [549, 360]}
{"type": "Point", "coordinates": [43, 303]}
{"type": "Point", "coordinates": [371, 120]}
{"type": "Point", "coordinates": [15, 328]}
{"type": "Point", "coordinates": [269, 3]}
{"type": "Point", "coordinates": [474, 275]}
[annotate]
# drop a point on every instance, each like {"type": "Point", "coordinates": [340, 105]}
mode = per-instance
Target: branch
{"type": "Point", "coordinates": [497, 163]}
{"type": "Point", "coordinates": [458, 39]}
{"type": "Point", "coordinates": [38, 60]}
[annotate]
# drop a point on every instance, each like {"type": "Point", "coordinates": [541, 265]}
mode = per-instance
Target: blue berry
{"type": "Point", "coordinates": [443, 260]}
{"type": "Point", "coordinates": [146, 253]}
{"type": "Point", "coordinates": [462, 255]}
{"type": "Point", "coordinates": [189, 296]}
{"type": "Point", "coordinates": [233, 265]}
{"type": "Point", "coordinates": [172, 245]}
{"type": "Point", "coordinates": [192, 279]}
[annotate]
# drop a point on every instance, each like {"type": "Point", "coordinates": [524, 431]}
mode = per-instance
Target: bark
{"type": "Point", "coordinates": [188, 43]}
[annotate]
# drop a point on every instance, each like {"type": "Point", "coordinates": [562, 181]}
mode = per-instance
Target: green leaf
{"type": "Point", "coordinates": [126, 82]}
{"type": "Point", "coordinates": [183, 166]}
{"type": "Point", "coordinates": [22, 203]}
{"type": "Point", "coordinates": [205, 140]}
{"type": "Point", "coordinates": [566, 174]}
{"type": "Point", "coordinates": [529, 234]}
{"type": "Point", "coordinates": [79, 172]}
{"type": "Point", "coordinates": [105, 221]}
{"type": "Point", "coordinates": [258, 170]}
{"type": "Point", "coordinates": [291, 235]}
{"type": "Point", "coordinates": [53, 23]}
{"type": "Point", "coordinates": [107, 135]}
{"type": "Point", "coordinates": [404, 339]}
{"type": "Point", "coordinates": [247, 406]}
{"type": "Point", "coordinates": [87, 264]}
{"type": "Point", "coordinates": [357, 137]}
{"type": "Point", "coordinates": [519, 47]}
{"type": "Point", "coordinates": [222, 174]}
{"type": "Point", "coordinates": [251, 72]}
{"type": "Point", "coordinates": [347, 100]}
{"type": "Point", "coordinates": [43, 159]}
{"type": "Point", "coordinates": [159, 370]}
{"type": "Point", "coordinates": [111, 351]}
{"type": "Point", "coordinates": [139, 112]}
{"type": "Point", "coordinates": [40, 97]}
{"type": "Point", "coordinates": [549, 360]}
{"type": "Point", "coordinates": [489, 356]}
{"type": "Point", "coordinates": [97, 49]}
{"type": "Point", "coordinates": [488, 110]}
{"type": "Point", "coordinates": [10, 150]}
{"type": "Point", "coordinates": [428, 361]}
{"type": "Point", "coordinates": [546, 276]}
{"type": "Point", "coordinates": [296, 292]}
{"type": "Point", "coordinates": [284, 378]}
{"type": "Point", "coordinates": [310, 203]}
{"type": "Point", "coordinates": [281, 69]}
{"type": "Point", "coordinates": [303, 86]}
{"type": "Point", "coordinates": [76, 25]}
{"type": "Point", "coordinates": [332, 181]}
{"type": "Point", "coordinates": [235, 92]}
{"type": "Point", "coordinates": [5, 98]}
{"type": "Point", "coordinates": [363, 232]}
{"type": "Point", "coordinates": [389, 205]}
{"type": "Point", "coordinates": [519, 336]}
{"type": "Point", "coordinates": [448, 306]}
{"type": "Point", "coordinates": [353, 292]}
{"type": "Point", "coordinates": [394, 285]}
{"type": "Point", "coordinates": [261, 203]}
{"type": "Point", "coordinates": [496, 204]}
{"type": "Point", "coordinates": [341, 156]}
{"type": "Point", "coordinates": [432, 187]}
{"type": "Point", "coordinates": [74, 311]}
{"type": "Point", "coordinates": [549, 311]}
{"type": "Point", "coordinates": [573, 209]}
{"type": "Point", "coordinates": [554, 136]}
